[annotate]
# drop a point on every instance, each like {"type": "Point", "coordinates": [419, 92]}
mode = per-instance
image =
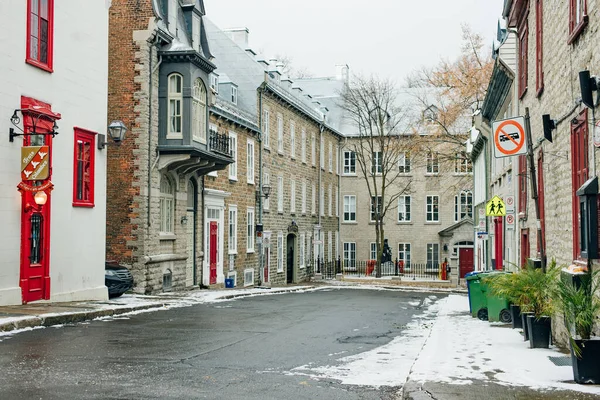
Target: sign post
{"type": "Point", "coordinates": [510, 137]}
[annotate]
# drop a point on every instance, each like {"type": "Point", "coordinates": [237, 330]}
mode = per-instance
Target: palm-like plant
{"type": "Point", "coordinates": [580, 306]}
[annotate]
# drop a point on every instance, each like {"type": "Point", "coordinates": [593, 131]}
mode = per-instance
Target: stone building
{"type": "Point", "coordinates": [159, 85]}
{"type": "Point", "coordinates": [53, 164]}
{"type": "Point", "coordinates": [295, 155]}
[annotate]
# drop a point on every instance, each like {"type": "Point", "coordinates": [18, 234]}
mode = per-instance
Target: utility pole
{"type": "Point", "coordinates": [534, 189]}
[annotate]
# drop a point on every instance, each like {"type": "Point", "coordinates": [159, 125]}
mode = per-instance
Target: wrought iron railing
{"type": "Point", "coordinates": [410, 271]}
{"type": "Point", "coordinates": [219, 143]}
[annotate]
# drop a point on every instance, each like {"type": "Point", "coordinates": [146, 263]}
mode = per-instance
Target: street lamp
{"type": "Point", "coordinates": [116, 131]}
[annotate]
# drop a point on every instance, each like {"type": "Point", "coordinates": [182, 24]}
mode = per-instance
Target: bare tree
{"type": "Point", "coordinates": [292, 71]}
{"type": "Point", "coordinates": [380, 139]}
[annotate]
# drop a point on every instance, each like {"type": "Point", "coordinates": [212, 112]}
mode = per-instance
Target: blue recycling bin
{"type": "Point", "coordinates": [229, 283]}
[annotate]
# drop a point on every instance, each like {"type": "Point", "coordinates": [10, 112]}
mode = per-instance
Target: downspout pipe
{"type": "Point", "coordinates": [258, 193]}
{"type": "Point", "coordinates": [321, 195]}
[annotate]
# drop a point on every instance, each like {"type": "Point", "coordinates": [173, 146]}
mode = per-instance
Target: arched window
{"type": "Point", "coordinates": [199, 111]}
{"type": "Point", "coordinates": [175, 106]}
{"type": "Point", "coordinates": [463, 205]}
{"type": "Point", "coordinates": [167, 195]}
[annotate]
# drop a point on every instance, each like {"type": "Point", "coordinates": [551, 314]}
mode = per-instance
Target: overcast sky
{"type": "Point", "coordinates": [390, 38]}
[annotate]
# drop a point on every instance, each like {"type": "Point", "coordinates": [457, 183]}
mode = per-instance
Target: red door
{"type": "Point", "coordinates": [465, 261]}
{"type": "Point", "coordinates": [499, 242]}
{"type": "Point", "coordinates": [213, 252]}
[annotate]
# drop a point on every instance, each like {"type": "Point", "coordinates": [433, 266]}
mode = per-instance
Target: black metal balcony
{"type": "Point", "coordinates": [219, 143]}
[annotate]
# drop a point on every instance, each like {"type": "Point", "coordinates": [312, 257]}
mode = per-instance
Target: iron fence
{"type": "Point", "coordinates": [409, 271]}
{"type": "Point", "coordinates": [220, 143]}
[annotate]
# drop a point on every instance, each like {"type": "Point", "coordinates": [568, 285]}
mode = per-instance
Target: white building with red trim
{"type": "Point", "coordinates": [53, 94]}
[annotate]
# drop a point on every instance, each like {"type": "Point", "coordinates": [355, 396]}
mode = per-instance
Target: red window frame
{"type": "Point", "coordinates": [523, 46]}
{"type": "Point", "coordinates": [523, 185]}
{"type": "Point", "coordinates": [36, 23]}
{"type": "Point", "coordinates": [525, 248]}
{"type": "Point", "coordinates": [576, 26]}
{"type": "Point", "coordinates": [539, 47]}
{"type": "Point", "coordinates": [84, 166]}
{"type": "Point", "coordinates": [579, 171]}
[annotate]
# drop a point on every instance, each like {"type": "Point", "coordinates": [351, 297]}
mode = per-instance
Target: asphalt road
{"type": "Point", "coordinates": [242, 349]}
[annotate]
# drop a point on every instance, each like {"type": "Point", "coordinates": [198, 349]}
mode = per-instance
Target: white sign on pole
{"type": "Point", "coordinates": [510, 221]}
{"type": "Point", "coordinates": [509, 137]}
{"type": "Point", "coordinates": [510, 204]}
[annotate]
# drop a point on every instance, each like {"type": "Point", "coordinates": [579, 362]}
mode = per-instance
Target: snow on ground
{"type": "Point", "coordinates": [461, 349]}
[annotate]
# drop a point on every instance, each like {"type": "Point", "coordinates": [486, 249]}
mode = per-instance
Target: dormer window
{"type": "Point", "coordinates": [196, 33]}
{"type": "Point", "coordinates": [172, 16]}
{"type": "Point", "coordinates": [234, 95]}
{"type": "Point", "coordinates": [175, 106]}
{"type": "Point", "coordinates": [430, 115]}
{"type": "Point", "coordinates": [214, 83]}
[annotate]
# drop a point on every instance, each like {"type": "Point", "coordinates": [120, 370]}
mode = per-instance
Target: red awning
{"type": "Point", "coordinates": [37, 113]}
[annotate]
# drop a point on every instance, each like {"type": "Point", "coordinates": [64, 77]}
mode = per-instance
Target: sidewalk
{"type": "Point", "coordinates": [28, 316]}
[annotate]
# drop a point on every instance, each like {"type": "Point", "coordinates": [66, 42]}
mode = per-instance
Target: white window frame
{"type": "Point", "coordinates": [302, 250]}
{"type": "Point", "coordinates": [234, 94]}
{"type": "Point", "coordinates": [432, 163]}
{"type": "Point", "coordinates": [172, 16]}
{"type": "Point", "coordinates": [280, 254]}
{"type": "Point", "coordinates": [303, 145]}
{"type": "Point", "coordinates": [431, 202]}
{"type": "Point", "coordinates": [329, 207]}
{"type": "Point", "coordinates": [280, 133]}
{"type": "Point", "coordinates": [322, 202]}
{"type": "Point", "coordinates": [303, 198]}
{"type": "Point", "coordinates": [377, 163]}
{"type": "Point", "coordinates": [265, 129]}
{"type": "Point", "coordinates": [199, 111]}
{"type": "Point", "coordinates": [266, 182]}
{"type": "Point", "coordinates": [234, 154]}
{"type": "Point", "coordinates": [292, 139]}
{"type": "Point", "coordinates": [337, 160]}
{"type": "Point", "coordinates": [174, 97]}
{"type": "Point", "coordinates": [250, 162]}
{"type": "Point", "coordinates": [322, 153]}
{"type": "Point", "coordinates": [250, 230]}
{"type": "Point", "coordinates": [167, 205]}
{"type": "Point", "coordinates": [379, 206]}
{"type": "Point", "coordinates": [373, 251]}
{"type": "Point", "coordinates": [404, 254]}
{"type": "Point", "coordinates": [330, 157]}
{"type": "Point", "coordinates": [349, 208]}
{"type": "Point", "coordinates": [337, 244]}
{"type": "Point", "coordinates": [337, 202]}
{"type": "Point", "coordinates": [433, 254]}
{"type": "Point", "coordinates": [313, 154]}
{"type": "Point", "coordinates": [280, 194]}
{"type": "Point", "coordinates": [292, 196]}
{"type": "Point", "coordinates": [404, 166]}
{"type": "Point", "coordinates": [463, 164]}
{"type": "Point", "coordinates": [214, 82]}
{"type": "Point", "coordinates": [404, 208]}
{"type": "Point", "coordinates": [463, 204]}
{"type": "Point", "coordinates": [349, 163]}
{"type": "Point", "coordinates": [313, 209]}
{"type": "Point", "coordinates": [349, 249]}
{"type": "Point", "coordinates": [232, 232]}
{"type": "Point", "coordinates": [329, 246]}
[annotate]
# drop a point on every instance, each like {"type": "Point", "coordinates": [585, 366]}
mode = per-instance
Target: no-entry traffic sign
{"type": "Point", "coordinates": [509, 137]}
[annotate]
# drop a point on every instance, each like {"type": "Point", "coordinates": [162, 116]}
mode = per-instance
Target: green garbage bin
{"type": "Point", "coordinates": [498, 308]}
{"type": "Point", "coordinates": [477, 295]}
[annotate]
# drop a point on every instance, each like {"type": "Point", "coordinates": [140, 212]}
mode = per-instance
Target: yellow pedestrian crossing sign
{"type": "Point", "coordinates": [495, 207]}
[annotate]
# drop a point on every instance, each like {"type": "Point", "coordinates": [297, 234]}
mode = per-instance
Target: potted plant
{"type": "Point", "coordinates": [539, 289]}
{"type": "Point", "coordinates": [580, 307]}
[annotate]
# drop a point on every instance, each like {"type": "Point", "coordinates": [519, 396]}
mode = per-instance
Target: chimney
{"type": "Point", "coordinates": [342, 72]}
{"type": "Point", "coordinates": [239, 36]}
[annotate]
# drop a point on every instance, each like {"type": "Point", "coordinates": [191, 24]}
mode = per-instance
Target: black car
{"type": "Point", "coordinates": [117, 279]}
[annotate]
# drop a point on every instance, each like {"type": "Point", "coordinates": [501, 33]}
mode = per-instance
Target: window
{"type": "Point", "coordinates": [313, 149]}
{"type": "Point", "coordinates": [337, 202]}
{"type": "Point", "coordinates": [373, 255]}
{"type": "Point", "coordinates": [266, 182]}
{"type": "Point", "coordinates": [250, 162]}
{"type": "Point", "coordinates": [280, 194]}
{"type": "Point", "coordinates": [539, 47]}
{"type": "Point", "coordinates": [329, 208]}
{"type": "Point", "coordinates": [313, 200]}
{"type": "Point", "coordinates": [167, 195]}
{"type": "Point", "coordinates": [330, 157]}
{"type": "Point", "coordinates": [175, 105]}
{"type": "Point", "coordinates": [40, 33]}
{"type": "Point", "coordinates": [376, 207]}
{"type": "Point", "coordinates": [462, 164]}
{"type": "Point", "coordinates": [248, 277]}
{"type": "Point", "coordinates": [308, 246]}
{"type": "Point", "coordinates": [404, 255]}
{"type": "Point", "coordinates": [292, 139]}
{"type": "Point", "coordinates": [234, 94]}
{"type": "Point", "coordinates": [463, 206]}
{"type": "Point", "coordinates": [523, 184]}
{"type": "Point", "coordinates": [196, 33]}
{"type": "Point", "coordinates": [579, 172]}
{"type": "Point", "coordinates": [433, 209]}
{"type": "Point", "coordinates": [322, 201]}
{"type": "Point", "coordinates": [433, 260]}
{"type": "Point", "coordinates": [280, 252]}
{"type": "Point", "coordinates": [172, 16]}
{"type": "Point", "coordinates": [337, 160]}
{"type": "Point", "coordinates": [302, 250]}
{"type": "Point", "coordinates": [83, 168]}
{"type": "Point", "coordinates": [250, 230]}
{"type": "Point", "coordinates": [349, 208]}
{"type": "Point", "coordinates": [303, 197]}
{"type": "Point", "coordinates": [433, 166]}
{"type": "Point", "coordinates": [349, 255]}
{"type": "Point", "coordinates": [522, 67]}
{"type": "Point", "coordinates": [404, 163]}
{"type": "Point", "coordinates": [304, 145]}
{"type": "Point", "coordinates": [265, 128]}
{"type": "Point", "coordinates": [329, 246]}
{"type": "Point", "coordinates": [376, 163]}
{"type": "Point", "coordinates": [578, 18]}
{"type": "Point", "coordinates": [280, 133]}
{"type": "Point", "coordinates": [322, 153]}
{"type": "Point", "coordinates": [233, 148]}
{"type": "Point", "coordinates": [292, 196]}
{"type": "Point", "coordinates": [214, 83]}
{"type": "Point", "coordinates": [232, 229]}
{"type": "Point", "coordinates": [404, 209]}
{"type": "Point", "coordinates": [349, 163]}
{"type": "Point", "coordinates": [199, 111]}
{"type": "Point", "coordinates": [337, 247]}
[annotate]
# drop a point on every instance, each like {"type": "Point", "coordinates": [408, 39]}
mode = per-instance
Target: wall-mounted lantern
{"type": "Point", "coordinates": [116, 131]}
{"type": "Point", "coordinates": [37, 115]}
